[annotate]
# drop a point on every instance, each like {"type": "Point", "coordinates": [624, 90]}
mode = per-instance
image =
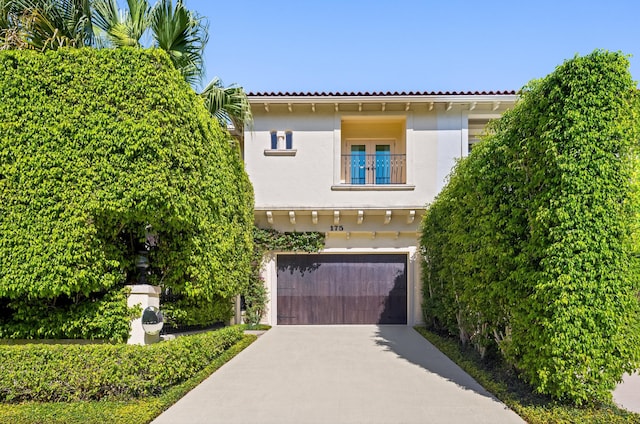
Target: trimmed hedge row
{"type": "Point", "coordinates": [135, 411]}
{"type": "Point", "coordinates": [529, 246]}
{"type": "Point", "coordinates": [60, 373]}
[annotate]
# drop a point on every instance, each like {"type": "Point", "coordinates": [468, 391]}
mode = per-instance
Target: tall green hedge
{"type": "Point", "coordinates": [99, 149]}
{"type": "Point", "coordinates": [528, 248]}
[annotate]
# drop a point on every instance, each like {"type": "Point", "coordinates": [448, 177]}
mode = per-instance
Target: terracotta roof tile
{"type": "Point", "coordinates": [379, 93]}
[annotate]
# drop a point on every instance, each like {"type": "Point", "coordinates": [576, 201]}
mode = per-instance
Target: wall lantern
{"type": "Point", "coordinates": [152, 320]}
{"type": "Point", "coordinates": [142, 264]}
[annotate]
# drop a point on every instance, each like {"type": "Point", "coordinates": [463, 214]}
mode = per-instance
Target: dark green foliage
{"type": "Point", "coordinates": [97, 147]}
{"type": "Point", "coordinates": [105, 317]}
{"type": "Point", "coordinates": [255, 296]}
{"type": "Point", "coordinates": [275, 241]}
{"type": "Point", "coordinates": [529, 248]}
{"type": "Point", "coordinates": [185, 312]}
{"type": "Point", "coordinates": [60, 373]}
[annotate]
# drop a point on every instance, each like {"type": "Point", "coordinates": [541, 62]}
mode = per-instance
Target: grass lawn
{"type": "Point", "coordinates": [134, 412]}
{"type": "Point", "coordinates": [532, 407]}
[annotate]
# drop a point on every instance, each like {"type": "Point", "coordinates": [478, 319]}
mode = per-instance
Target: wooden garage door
{"type": "Point", "coordinates": [342, 289]}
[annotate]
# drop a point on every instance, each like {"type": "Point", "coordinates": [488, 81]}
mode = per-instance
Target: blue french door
{"type": "Point", "coordinates": [358, 164]}
{"type": "Point", "coordinates": [383, 164]}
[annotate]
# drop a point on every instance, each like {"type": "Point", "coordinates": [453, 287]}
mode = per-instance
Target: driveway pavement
{"type": "Point", "coordinates": [339, 374]}
{"type": "Point", "coordinates": [627, 394]}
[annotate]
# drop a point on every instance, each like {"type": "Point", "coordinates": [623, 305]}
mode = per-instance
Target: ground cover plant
{"type": "Point", "coordinates": [528, 249]}
{"type": "Point", "coordinates": [134, 411]}
{"type": "Point", "coordinates": [501, 380]}
{"type": "Point", "coordinates": [103, 154]}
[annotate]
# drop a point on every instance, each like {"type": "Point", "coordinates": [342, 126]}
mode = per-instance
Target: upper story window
{"type": "Point", "coordinates": [280, 144]}
{"type": "Point", "coordinates": [371, 162]}
{"type": "Point", "coordinates": [288, 135]}
{"type": "Point", "coordinates": [281, 140]}
{"type": "Point", "coordinates": [476, 130]}
{"type": "Point", "coordinates": [373, 151]}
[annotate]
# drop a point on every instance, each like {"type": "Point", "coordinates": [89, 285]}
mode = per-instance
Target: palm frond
{"type": "Point", "coordinates": [12, 34]}
{"type": "Point", "coordinates": [183, 35]}
{"type": "Point", "coordinates": [229, 105]}
{"type": "Point", "coordinates": [138, 18]}
{"type": "Point", "coordinates": [49, 24]}
{"type": "Point", "coordinates": [105, 14]}
{"type": "Point", "coordinates": [123, 27]}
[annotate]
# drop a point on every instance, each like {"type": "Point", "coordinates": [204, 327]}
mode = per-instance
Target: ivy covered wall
{"type": "Point", "coordinates": [99, 149]}
{"type": "Point", "coordinates": [529, 248]}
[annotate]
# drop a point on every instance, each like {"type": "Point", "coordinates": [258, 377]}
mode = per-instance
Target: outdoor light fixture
{"type": "Point", "coordinates": [152, 320]}
{"type": "Point", "coordinates": [142, 264]}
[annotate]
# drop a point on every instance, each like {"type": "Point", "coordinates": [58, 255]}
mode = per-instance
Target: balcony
{"type": "Point", "coordinates": [379, 169]}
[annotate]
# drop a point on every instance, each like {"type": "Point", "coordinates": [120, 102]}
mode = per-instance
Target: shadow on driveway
{"type": "Point", "coordinates": [339, 375]}
{"type": "Point", "coordinates": [408, 344]}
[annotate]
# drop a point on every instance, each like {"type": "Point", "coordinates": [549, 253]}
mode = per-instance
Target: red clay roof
{"type": "Point", "coordinates": [379, 93]}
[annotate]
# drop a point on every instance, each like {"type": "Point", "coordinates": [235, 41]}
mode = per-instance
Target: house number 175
{"type": "Point", "coordinates": [337, 228]}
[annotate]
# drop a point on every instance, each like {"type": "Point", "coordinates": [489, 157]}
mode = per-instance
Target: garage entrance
{"type": "Point", "coordinates": [342, 289]}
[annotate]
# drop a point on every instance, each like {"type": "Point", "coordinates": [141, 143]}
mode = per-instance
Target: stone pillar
{"type": "Point", "coordinates": [144, 295]}
{"type": "Point", "coordinates": [237, 312]}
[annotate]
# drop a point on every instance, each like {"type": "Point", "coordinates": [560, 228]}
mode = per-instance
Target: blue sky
{"type": "Point", "coordinates": [408, 45]}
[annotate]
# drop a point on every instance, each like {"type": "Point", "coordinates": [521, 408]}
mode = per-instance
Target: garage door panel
{"type": "Point", "coordinates": [342, 289]}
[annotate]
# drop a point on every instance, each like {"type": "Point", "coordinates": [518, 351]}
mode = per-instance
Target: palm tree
{"type": "Point", "coordinates": [47, 24]}
{"type": "Point", "coordinates": [183, 35]}
{"type": "Point", "coordinates": [11, 34]}
{"type": "Point", "coordinates": [50, 24]}
{"type": "Point", "coordinates": [176, 30]}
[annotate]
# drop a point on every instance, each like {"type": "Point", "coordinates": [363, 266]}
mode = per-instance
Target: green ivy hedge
{"type": "Point", "coordinates": [529, 246]}
{"type": "Point", "coordinates": [60, 373]}
{"type": "Point", "coordinates": [99, 149]}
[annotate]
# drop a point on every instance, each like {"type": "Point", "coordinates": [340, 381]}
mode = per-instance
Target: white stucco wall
{"type": "Point", "coordinates": [434, 140]}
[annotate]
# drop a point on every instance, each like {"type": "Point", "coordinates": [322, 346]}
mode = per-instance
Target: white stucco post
{"type": "Point", "coordinates": [237, 311]}
{"type": "Point", "coordinates": [144, 295]}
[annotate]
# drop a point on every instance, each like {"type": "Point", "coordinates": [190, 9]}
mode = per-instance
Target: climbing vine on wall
{"type": "Point", "coordinates": [269, 240]}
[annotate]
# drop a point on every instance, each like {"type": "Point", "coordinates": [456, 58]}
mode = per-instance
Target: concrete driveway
{"type": "Point", "coordinates": [339, 374]}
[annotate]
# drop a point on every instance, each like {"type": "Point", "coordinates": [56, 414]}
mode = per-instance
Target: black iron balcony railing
{"type": "Point", "coordinates": [379, 168]}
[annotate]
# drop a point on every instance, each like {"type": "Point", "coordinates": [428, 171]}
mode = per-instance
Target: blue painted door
{"type": "Point", "coordinates": [358, 164]}
{"type": "Point", "coordinates": [383, 164]}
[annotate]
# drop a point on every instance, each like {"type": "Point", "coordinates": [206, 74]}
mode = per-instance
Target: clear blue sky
{"type": "Point", "coordinates": [408, 45]}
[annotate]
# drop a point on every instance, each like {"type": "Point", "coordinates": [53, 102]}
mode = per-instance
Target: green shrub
{"type": "Point", "coordinates": [136, 411]}
{"type": "Point", "coordinates": [102, 151]}
{"type": "Point", "coordinates": [186, 312]}
{"type": "Point", "coordinates": [104, 317]}
{"type": "Point", "coordinates": [60, 373]}
{"type": "Point", "coordinates": [529, 248]}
